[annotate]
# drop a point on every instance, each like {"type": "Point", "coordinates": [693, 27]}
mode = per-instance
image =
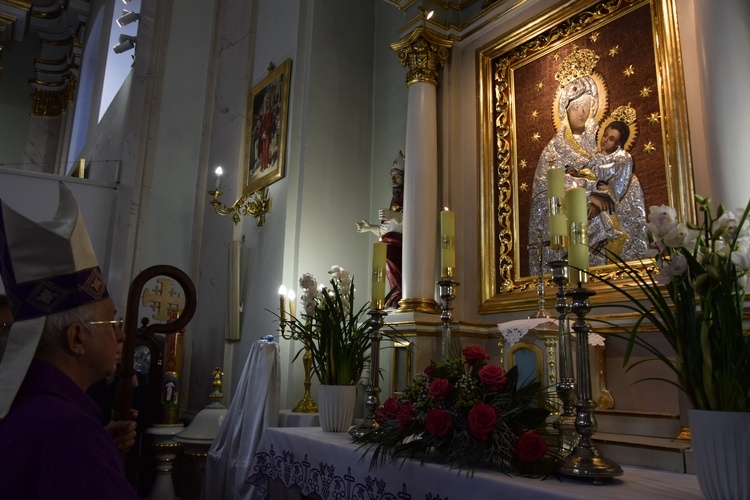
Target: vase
{"type": "Point", "coordinates": [336, 407]}
{"type": "Point", "coordinates": [721, 453]}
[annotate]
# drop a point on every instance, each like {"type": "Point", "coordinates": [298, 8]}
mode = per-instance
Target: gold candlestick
{"type": "Point", "coordinates": [307, 404]}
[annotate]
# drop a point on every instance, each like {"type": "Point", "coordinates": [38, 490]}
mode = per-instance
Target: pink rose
{"type": "Point", "coordinates": [531, 446]}
{"type": "Point", "coordinates": [439, 388]}
{"type": "Point", "coordinates": [481, 420]}
{"type": "Point", "coordinates": [438, 422]}
{"type": "Point", "coordinates": [474, 354]}
{"type": "Point", "coordinates": [405, 415]}
{"type": "Point", "coordinates": [493, 377]}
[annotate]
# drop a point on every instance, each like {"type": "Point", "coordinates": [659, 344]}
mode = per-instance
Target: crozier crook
{"type": "Point", "coordinates": [125, 386]}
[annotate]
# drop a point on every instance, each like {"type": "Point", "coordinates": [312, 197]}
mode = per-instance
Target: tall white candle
{"type": "Point", "coordinates": [447, 243]}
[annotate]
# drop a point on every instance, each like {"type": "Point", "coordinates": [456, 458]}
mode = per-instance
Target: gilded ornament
{"type": "Point", "coordinates": [614, 51]}
{"type": "Point", "coordinates": [579, 63]}
{"type": "Point", "coordinates": [624, 114]}
{"type": "Point", "coordinates": [654, 118]}
{"type": "Point", "coordinates": [536, 137]}
{"type": "Point", "coordinates": [649, 148]}
{"type": "Point", "coordinates": [422, 51]}
{"type": "Point", "coordinates": [646, 91]}
{"type": "Point", "coordinates": [594, 37]}
{"type": "Point", "coordinates": [534, 115]}
{"type": "Point", "coordinates": [629, 71]}
{"type": "Point", "coordinates": [522, 164]}
{"type": "Point", "coordinates": [523, 187]}
{"type": "Point", "coordinates": [540, 85]}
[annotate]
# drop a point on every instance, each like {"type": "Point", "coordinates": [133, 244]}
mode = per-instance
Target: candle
{"type": "Point", "coordinates": [290, 295]}
{"type": "Point", "coordinates": [282, 303]}
{"type": "Point", "coordinates": [377, 294]}
{"type": "Point", "coordinates": [578, 238]}
{"type": "Point", "coordinates": [555, 196]}
{"type": "Point", "coordinates": [218, 173]}
{"type": "Point", "coordinates": [447, 244]}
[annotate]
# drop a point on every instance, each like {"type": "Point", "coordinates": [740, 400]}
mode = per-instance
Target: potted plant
{"type": "Point", "coordinates": [696, 302]}
{"type": "Point", "coordinates": [337, 336]}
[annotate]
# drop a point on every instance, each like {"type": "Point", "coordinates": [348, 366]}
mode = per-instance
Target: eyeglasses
{"type": "Point", "coordinates": [118, 323]}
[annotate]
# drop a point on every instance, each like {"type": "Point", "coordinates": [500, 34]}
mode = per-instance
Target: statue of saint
{"type": "Point", "coordinates": [390, 230]}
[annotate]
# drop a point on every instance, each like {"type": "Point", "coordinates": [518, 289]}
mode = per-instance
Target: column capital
{"type": "Point", "coordinates": [423, 51]}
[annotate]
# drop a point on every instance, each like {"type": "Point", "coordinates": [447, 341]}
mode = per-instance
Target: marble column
{"type": "Point", "coordinates": [422, 52]}
{"type": "Point", "coordinates": [724, 45]}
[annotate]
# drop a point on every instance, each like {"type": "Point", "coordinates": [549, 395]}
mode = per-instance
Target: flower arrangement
{"type": "Point", "coordinates": [696, 303]}
{"type": "Point", "coordinates": [337, 337]}
{"type": "Point", "coordinates": [466, 413]}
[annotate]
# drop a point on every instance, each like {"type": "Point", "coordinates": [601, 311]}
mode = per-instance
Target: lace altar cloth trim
{"type": "Point", "coordinates": [321, 479]}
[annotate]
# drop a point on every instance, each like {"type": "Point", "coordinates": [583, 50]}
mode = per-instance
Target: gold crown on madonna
{"type": "Point", "coordinates": [579, 63]}
{"type": "Point", "coordinates": [624, 114]}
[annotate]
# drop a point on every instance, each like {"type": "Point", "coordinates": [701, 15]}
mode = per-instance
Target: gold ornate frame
{"type": "Point", "coordinates": [265, 146]}
{"type": "Point", "coordinates": [516, 73]}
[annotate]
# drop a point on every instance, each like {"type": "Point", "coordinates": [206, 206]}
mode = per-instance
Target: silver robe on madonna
{"type": "Point", "coordinates": [624, 230]}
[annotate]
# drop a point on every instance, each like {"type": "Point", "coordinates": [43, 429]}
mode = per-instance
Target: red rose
{"type": "Point", "coordinates": [380, 417]}
{"type": "Point", "coordinates": [439, 388]}
{"type": "Point", "coordinates": [493, 377]}
{"type": "Point", "coordinates": [387, 411]}
{"type": "Point", "coordinates": [405, 415]}
{"type": "Point", "coordinates": [531, 446]}
{"type": "Point", "coordinates": [428, 371]}
{"type": "Point", "coordinates": [438, 422]}
{"type": "Point", "coordinates": [481, 420]}
{"type": "Point", "coordinates": [474, 354]}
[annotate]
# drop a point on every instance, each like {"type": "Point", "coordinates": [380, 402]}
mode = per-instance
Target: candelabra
{"type": "Point", "coordinates": [447, 295]}
{"type": "Point", "coordinates": [372, 401]}
{"type": "Point", "coordinates": [566, 383]}
{"type": "Point", "coordinates": [585, 461]}
{"type": "Point", "coordinates": [256, 204]}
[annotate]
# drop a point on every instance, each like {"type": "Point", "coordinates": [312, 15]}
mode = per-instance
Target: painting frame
{"type": "Point", "coordinates": [565, 28]}
{"type": "Point", "coordinates": [266, 131]}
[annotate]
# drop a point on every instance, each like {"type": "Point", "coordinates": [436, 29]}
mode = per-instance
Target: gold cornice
{"type": "Point", "coordinates": [51, 14]}
{"type": "Point", "coordinates": [422, 51]}
{"type": "Point", "coordinates": [18, 4]}
{"type": "Point", "coordinates": [50, 62]}
{"type": "Point", "coordinates": [60, 42]}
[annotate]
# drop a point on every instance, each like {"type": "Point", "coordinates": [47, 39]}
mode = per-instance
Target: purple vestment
{"type": "Point", "coordinates": [52, 443]}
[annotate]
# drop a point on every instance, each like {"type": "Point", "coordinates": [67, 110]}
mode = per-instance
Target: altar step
{"type": "Point", "coordinates": [643, 439]}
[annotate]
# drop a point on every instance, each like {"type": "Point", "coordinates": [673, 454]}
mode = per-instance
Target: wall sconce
{"type": "Point", "coordinates": [127, 17]}
{"type": "Point", "coordinates": [256, 204]}
{"type": "Point", "coordinates": [127, 42]}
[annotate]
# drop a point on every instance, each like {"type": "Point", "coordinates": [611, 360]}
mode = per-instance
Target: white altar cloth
{"type": "Point", "coordinates": [312, 462]}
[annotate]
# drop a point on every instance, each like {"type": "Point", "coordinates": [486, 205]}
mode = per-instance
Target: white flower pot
{"type": "Point", "coordinates": [336, 407]}
{"type": "Point", "coordinates": [721, 452]}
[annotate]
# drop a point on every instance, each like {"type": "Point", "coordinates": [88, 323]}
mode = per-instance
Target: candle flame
{"type": "Point", "coordinates": [282, 290]}
{"type": "Point", "coordinates": [219, 171]}
{"type": "Point", "coordinates": [445, 209]}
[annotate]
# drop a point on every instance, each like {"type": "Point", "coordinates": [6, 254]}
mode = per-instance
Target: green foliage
{"type": "Point", "coordinates": [696, 303]}
{"type": "Point", "coordinates": [337, 337]}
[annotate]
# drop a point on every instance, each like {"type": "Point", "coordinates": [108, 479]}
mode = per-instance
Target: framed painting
{"type": "Point", "coordinates": [613, 61]}
{"type": "Point", "coordinates": [267, 110]}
